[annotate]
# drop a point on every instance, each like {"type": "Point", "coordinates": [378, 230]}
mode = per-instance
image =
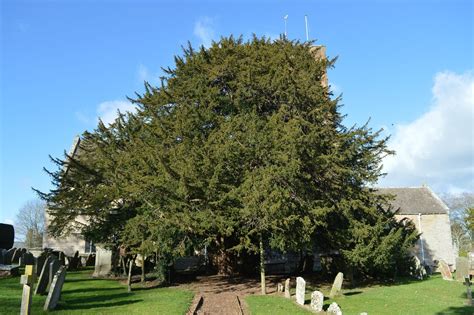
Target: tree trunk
{"type": "Point", "coordinates": [262, 267]}
{"type": "Point", "coordinates": [143, 269]}
{"type": "Point", "coordinates": [129, 280]}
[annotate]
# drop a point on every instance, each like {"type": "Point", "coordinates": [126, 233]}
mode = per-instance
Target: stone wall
{"type": "Point", "coordinates": [436, 237]}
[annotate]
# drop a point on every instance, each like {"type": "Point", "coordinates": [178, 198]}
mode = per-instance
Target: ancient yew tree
{"type": "Point", "coordinates": [242, 149]}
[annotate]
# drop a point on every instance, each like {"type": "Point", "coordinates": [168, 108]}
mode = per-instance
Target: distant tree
{"type": "Point", "coordinates": [30, 223]}
{"type": "Point", "coordinates": [462, 220]}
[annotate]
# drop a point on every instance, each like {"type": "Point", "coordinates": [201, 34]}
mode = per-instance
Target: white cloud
{"type": "Point", "coordinates": [144, 74]}
{"type": "Point", "coordinates": [437, 148]}
{"type": "Point", "coordinates": [204, 30]}
{"type": "Point", "coordinates": [107, 111]}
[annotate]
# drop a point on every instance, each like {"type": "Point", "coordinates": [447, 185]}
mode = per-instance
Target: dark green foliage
{"type": "Point", "coordinates": [240, 143]}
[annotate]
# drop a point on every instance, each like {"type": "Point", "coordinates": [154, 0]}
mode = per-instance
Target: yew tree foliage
{"type": "Point", "coordinates": [240, 142]}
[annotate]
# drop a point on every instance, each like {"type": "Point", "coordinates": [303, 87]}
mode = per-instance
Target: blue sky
{"type": "Point", "coordinates": [406, 64]}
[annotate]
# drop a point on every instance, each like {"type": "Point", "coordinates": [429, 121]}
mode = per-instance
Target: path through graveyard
{"type": "Point", "coordinates": [224, 295]}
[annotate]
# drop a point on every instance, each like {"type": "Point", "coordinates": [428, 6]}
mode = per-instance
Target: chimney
{"type": "Point", "coordinates": [319, 52]}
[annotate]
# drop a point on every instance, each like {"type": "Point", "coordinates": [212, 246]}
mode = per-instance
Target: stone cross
{"type": "Point", "coordinates": [300, 290]}
{"type": "Point", "coordinates": [468, 283]}
{"type": "Point", "coordinates": [27, 280]}
{"type": "Point", "coordinates": [317, 301]}
{"type": "Point", "coordinates": [55, 291]}
{"type": "Point", "coordinates": [287, 288]}
{"type": "Point", "coordinates": [337, 285]}
{"type": "Point", "coordinates": [334, 309]}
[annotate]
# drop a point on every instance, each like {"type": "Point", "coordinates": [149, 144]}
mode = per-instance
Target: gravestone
{"type": "Point", "coordinates": [287, 288]}
{"type": "Point", "coordinates": [90, 261]}
{"type": "Point", "coordinates": [462, 268]}
{"type": "Point", "coordinates": [334, 309]}
{"type": "Point", "coordinates": [62, 258]}
{"type": "Point", "coordinates": [54, 266]}
{"type": "Point", "coordinates": [317, 301]}
{"type": "Point", "coordinates": [43, 279]}
{"type": "Point", "coordinates": [300, 290]}
{"type": "Point", "coordinates": [40, 263]}
{"type": "Point", "coordinates": [74, 262]}
{"type": "Point", "coordinates": [420, 270]}
{"type": "Point", "coordinates": [103, 262]}
{"type": "Point", "coordinates": [445, 271]}
{"type": "Point", "coordinates": [467, 282]}
{"type": "Point", "coordinates": [279, 287]}
{"type": "Point", "coordinates": [16, 257]}
{"type": "Point", "coordinates": [27, 259]}
{"type": "Point", "coordinates": [27, 280]}
{"type": "Point", "coordinates": [9, 256]}
{"type": "Point", "coordinates": [337, 285]}
{"type": "Point", "coordinates": [55, 291]}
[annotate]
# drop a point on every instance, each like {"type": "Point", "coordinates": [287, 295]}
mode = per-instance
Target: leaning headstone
{"type": "Point", "coordinates": [103, 262]}
{"type": "Point", "coordinates": [9, 255]}
{"type": "Point", "coordinates": [62, 259]}
{"type": "Point", "coordinates": [279, 287]}
{"type": "Point", "coordinates": [317, 301]}
{"type": "Point", "coordinates": [55, 290]}
{"type": "Point", "coordinates": [16, 257]}
{"type": "Point", "coordinates": [334, 309]}
{"type": "Point", "coordinates": [27, 259]}
{"type": "Point", "coordinates": [287, 288]}
{"type": "Point", "coordinates": [54, 266]}
{"type": "Point", "coordinates": [462, 268]}
{"type": "Point", "coordinates": [445, 271]}
{"type": "Point", "coordinates": [300, 290]}
{"type": "Point", "coordinates": [43, 279]}
{"type": "Point", "coordinates": [40, 263]}
{"type": "Point", "coordinates": [27, 280]}
{"type": "Point", "coordinates": [337, 285]}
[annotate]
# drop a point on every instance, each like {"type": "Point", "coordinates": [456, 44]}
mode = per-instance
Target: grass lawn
{"type": "Point", "coordinates": [84, 295]}
{"type": "Point", "coordinates": [432, 296]}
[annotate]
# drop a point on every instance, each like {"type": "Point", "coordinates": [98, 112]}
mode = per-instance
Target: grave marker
{"type": "Point", "coordinates": [300, 290]}
{"type": "Point", "coordinates": [43, 279]}
{"type": "Point", "coordinates": [334, 309]}
{"type": "Point", "coordinates": [287, 288]}
{"type": "Point", "coordinates": [54, 266]}
{"type": "Point", "coordinates": [337, 285]}
{"type": "Point", "coordinates": [27, 280]}
{"type": "Point", "coordinates": [55, 291]}
{"type": "Point", "coordinates": [317, 301]}
{"type": "Point", "coordinates": [462, 268]}
{"type": "Point", "coordinates": [445, 271]}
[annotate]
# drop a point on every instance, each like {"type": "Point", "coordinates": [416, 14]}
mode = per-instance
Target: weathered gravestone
{"type": "Point", "coordinates": [317, 301]}
{"type": "Point", "coordinates": [337, 285]}
{"type": "Point", "coordinates": [54, 266]}
{"type": "Point", "coordinates": [74, 262]}
{"type": "Point", "coordinates": [103, 262]}
{"type": "Point", "coordinates": [334, 309]}
{"type": "Point", "coordinates": [300, 290]}
{"type": "Point", "coordinates": [55, 291]}
{"type": "Point", "coordinates": [445, 271]}
{"type": "Point", "coordinates": [27, 280]}
{"type": "Point", "coordinates": [27, 259]}
{"type": "Point", "coordinates": [16, 256]}
{"type": "Point", "coordinates": [420, 270]}
{"type": "Point", "coordinates": [9, 255]}
{"type": "Point", "coordinates": [43, 279]}
{"type": "Point", "coordinates": [287, 288]}
{"type": "Point", "coordinates": [40, 263]}
{"type": "Point", "coordinates": [468, 283]}
{"type": "Point", "coordinates": [279, 287]}
{"type": "Point", "coordinates": [462, 268]}
{"type": "Point", "coordinates": [90, 261]}
{"type": "Point", "coordinates": [62, 258]}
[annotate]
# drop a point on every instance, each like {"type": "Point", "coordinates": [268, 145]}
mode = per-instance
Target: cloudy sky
{"type": "Point", "coordinates": [406, 65]}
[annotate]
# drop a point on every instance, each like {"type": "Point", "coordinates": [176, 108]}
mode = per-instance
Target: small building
{"type": "Point", "coordinates": [431, 218]}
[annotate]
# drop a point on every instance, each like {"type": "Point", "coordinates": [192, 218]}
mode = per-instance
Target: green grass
{"type": "Point", "coordinates": [84, 295]}
{"type": "Point", "coordinates": [432, 296]}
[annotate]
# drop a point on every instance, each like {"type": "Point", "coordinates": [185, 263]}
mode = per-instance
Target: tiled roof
{"type": "Point", "coordinates": [415, 200]}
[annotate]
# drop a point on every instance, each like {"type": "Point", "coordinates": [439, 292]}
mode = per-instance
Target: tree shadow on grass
{"type": "Point", "coordinates": [457, 310]}
{"type": "Point", "coordinates": [99, 301]}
